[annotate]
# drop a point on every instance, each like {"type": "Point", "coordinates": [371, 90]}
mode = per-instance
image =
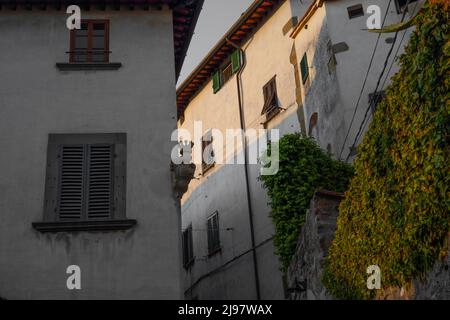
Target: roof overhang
{"type": "Point", "coordinates": [247, 25]}
{"type": "Point", "coordinates": [185, 15]}
{"type": "Point", "coordinates": [306, 17]}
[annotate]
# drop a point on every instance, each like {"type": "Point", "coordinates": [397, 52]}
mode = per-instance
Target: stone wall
{"type": "Point", "coordinates": [316, 235]}
{"type": "Point", "coordinates": [305, 272]}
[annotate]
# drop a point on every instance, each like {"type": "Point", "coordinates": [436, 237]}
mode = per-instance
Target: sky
{"type": "Point", "coordinates": [215, 19]}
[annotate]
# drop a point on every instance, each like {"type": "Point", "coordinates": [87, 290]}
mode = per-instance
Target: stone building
{"type": "Point", "coordinates": [85, 123]}
{"type": "Point", "coordinates": [294, 66]}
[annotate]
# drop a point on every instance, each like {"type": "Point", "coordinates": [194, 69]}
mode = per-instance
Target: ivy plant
{"type": "Point", "coordinates": [304, 168]}
{"type": "Point", "coordinates": [396, 212]}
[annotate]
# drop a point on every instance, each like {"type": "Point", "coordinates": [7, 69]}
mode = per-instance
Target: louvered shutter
{"type": "Point", "coordinates": [71, 182]}
{"type": "Point", "coordinates": [100, 184]}
{"type": "Point", "coordinates": [215, 222]}
{"type": "Point", "coordinates": [236, 60]}
{"type": "Point", "coordinates": [210, 236]}
{"type": "Point", "coordinates": [304, 68]}
{"type": "Point", "coordinates": [216, 81]}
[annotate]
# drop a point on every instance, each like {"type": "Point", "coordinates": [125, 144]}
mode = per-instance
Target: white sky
{"type": "Point", "coordinates": [215, 19]}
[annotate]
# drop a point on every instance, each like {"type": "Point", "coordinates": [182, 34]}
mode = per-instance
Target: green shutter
{"type": "Point", "coordinates": [236, 60]}
{"type": "Point", "coordinates": [216, 81]}
{"type": "Point", "coordinates": [305, 68]}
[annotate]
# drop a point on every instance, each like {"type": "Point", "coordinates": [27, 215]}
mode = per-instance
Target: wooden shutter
{"type": "Point", "coordinates": [213, 233]}
{"type": "Point", "coordinates": [216, 81]}
{"type": "Point", "coordinates": [215, 223]}
{"type": "Point", "coordinates": [185, 248]}
{"type": "Point", "coordinates": [71, 182]}
{"type": "Point", "coordinates": [236, 60]}
{"type": "Point", "coordinates": [304, 68]}
{"type": "Point", "coordinates": [270, 96]}
{"type": "Point", "coordinates": [210, 236]}
{"type": "Point", "coordinates": [100, 181]}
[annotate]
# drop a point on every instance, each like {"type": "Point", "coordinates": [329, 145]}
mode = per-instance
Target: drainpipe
{"type": "Point", "coordinates": [247, 184]}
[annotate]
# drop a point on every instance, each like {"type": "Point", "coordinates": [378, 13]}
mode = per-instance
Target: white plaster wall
{"type": "Point", "coordinates": [223, 188]}
{"type": "Point", "coordinates": [37, 99]}
{"type": "Point", "coordinates": [352, 66]}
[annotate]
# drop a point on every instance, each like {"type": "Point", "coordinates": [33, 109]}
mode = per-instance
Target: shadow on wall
{"type": "Point", "coordinates": [321, 92]}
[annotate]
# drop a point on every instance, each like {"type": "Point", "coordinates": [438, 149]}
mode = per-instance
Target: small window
{"type": "Point", "coordinates": [227, 73]}
{"type": "Point", "coordinates": [401, 5]}
{"type": "Point", "coordinates": [355, 11]}
{"type": "Point", "coordinates": [188, 248]}
{"type": "Point", "coordinates": [304, 68]}
{"type": "Point", "coordinates": [90, 44]}
{"type": "Point", "coordinates": [375, 99]}
{"type": "Point", "coordinates": [85, 177]}
{"type": "Point", "coordinates": [208, 159]}
{"type": "Point", "coordinates": [227, 70]}
{"type": "Point", "coordinates": [271, 107]}
{"type": "Point", "coordinates": [213, 234]}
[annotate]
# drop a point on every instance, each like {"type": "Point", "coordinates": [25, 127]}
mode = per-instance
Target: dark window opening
{"type": "Point", "coordinates": [90, 44]}
{"type": "Point", "coordinates": [313, 123]}
{"type": "Point", "coordinates": [226, 72]}
{"type": "Point", "coordinates": [355, 11]}
{"type": "Point", "coordinates": [213, 234]}
{"type": "Point", "coordinates": [271, 107]}
{"type": "Point", "coordinates": [188, 248]}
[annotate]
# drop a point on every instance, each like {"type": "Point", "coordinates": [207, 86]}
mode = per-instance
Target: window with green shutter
{"type": "Point", "coordinates": [236, 60]}
{"type": "Point", "coordinates": [216, 81]}
{"type": "Point", "coordinates": [304, 68]}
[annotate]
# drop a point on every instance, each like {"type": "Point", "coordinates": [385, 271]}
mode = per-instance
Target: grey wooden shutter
{"type": "Point", "coordinates": [100, 181]}
{"type": "Point", "coordinates": [71, 182]}
{"type": "Point", "coordinates": [216, 81]}
{"type": "Point", "coordinates": [236, 60]}
{"type": "Point", "coordinates": [210, 235]}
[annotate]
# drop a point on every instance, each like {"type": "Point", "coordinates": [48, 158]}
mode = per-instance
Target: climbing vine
{"type": "Point", "coordinates": [304, 168]}
{"type": "Point", "coordinates": [396, 211]}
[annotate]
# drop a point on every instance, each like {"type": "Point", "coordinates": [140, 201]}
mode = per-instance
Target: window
{"type": "Point", "coordinates": [213, 234]}
{"type": "Point", "coordinates": [271, 107]}
{"type": "Point", "coordinates": [90, 43]}
{"type": "Point", "coordinates": [401, 4]}
{"type": "Point", "coordinates": [304, 68]}
{"type": "Point", "coordinates": [188, 248]}
{"type": "Point", "coordinates": [208, 160]}
{"type": "Point", "coordinates": [86, 181]}
{"type": "Point", "coordinates": [355, 11]}
{"type": "Point", "coordinates": [226, 72]}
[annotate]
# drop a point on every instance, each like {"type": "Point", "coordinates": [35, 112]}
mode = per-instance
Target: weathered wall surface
{"type": "Point", "coordinates": [223, 187]}
{"type": "Point", "coordinates": [37, 99]}
{"type": "Point", "coordinates": [305, 272]}
{"type": "Point", "coordinates": [334, 86]}
{"type": "Point", "coordinates": [316, 235]}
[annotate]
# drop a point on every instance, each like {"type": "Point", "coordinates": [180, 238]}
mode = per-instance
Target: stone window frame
{"type": "Point", "coordinates": [52, 219]}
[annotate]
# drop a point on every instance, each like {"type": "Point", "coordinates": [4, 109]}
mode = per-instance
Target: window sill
{"type": "Point", "coordinates": [75, 226]}
{"type": "Point", "coordinates": [100, 66]}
